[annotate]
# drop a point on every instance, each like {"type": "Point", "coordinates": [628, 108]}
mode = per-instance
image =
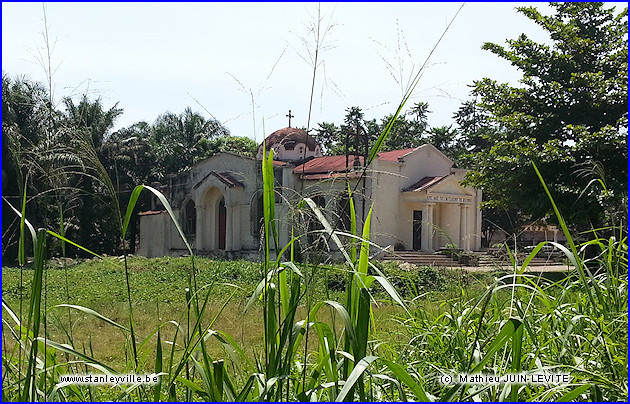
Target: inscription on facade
{"type": "Point", "coordinates": [438, 198]}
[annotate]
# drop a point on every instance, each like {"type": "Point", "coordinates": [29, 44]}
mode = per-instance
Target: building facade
{"type": "Point", "coordinates": [417, 200]}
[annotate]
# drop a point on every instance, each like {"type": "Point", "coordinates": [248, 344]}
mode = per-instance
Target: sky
{"type": "Point", "coordinates": [248, 64]}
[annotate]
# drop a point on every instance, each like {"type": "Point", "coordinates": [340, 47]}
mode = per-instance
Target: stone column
{"type": "Point", "coordinates": [463, 227]}
{"type": "Point", "coordinates": [199, 227]}
{"type": "Point", "coordinates": [236, 227]}
{"type": "Point", "coordinates": [427, 227]}
{"type": "Point", "coordinates": [229, 231]}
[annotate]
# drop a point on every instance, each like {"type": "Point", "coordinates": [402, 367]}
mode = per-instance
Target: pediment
{"type": "Point", "coordinates": [439, 189]}
{"type": "Point", "coordinates": [227, 178]}
{"type": "Point", "coordinates": [222, 162]}
{"type": "Point", "coordinates": [448, 186]}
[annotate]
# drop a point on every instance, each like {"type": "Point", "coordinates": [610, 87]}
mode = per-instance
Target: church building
{"type": "Point", "coordinates": [417, 199]}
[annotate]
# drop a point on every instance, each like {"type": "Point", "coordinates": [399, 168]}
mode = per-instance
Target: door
{"type": "Point", "coordinates": [417, 230]}
{"type": "Point", "coordinates": [222, 214]}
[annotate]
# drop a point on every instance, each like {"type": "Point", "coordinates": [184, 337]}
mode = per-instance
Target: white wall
{"type": "Point", "coordinates": [388, 214]}
{"type": "Point", "coordinates": [153, 234]}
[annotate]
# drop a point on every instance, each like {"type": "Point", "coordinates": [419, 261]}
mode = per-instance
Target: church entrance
{"type": "Point", "coordinates": [222, 217]}
{"type": "Point", "coordinates": [212, 228]}
{"type": "Point", "coordinates": [417, 230]}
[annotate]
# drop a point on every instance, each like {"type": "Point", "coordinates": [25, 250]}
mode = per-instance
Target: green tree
{"type": "Point", "coordinates": [446, 139]}
{"type": "Point", "coordinates": [90, 125]}
{"type": "Point", "coordinates": [128, 156]}
{"type": "Point", "coordinates": [180, 140]}
{"type": "Point", "coordinates": [475, 126]}
{"type": "Point", "coordinates": [129, 159]}
{"type": "Point", "coordinates": [90, 116]}
{"type": "Point", "coordinates": [328, 135]}
{"type": "Point", "coordinates": [409, 129]}
{"type": "Point", "coordinates": [568, 115]}
{"type": "Point", "coordinates": [354, 133]}
{"type": "Point", "coordinates": [23, 126]}
{"type": "Point", "coordinates": [232, 144]}
{"type": "Point", "coordinates": [53, 154]}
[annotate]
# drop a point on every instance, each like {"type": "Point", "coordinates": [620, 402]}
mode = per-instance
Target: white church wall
{"type": "Point", "coordinates": [238, 202]}
{"type": "Point", "coordinates": [152, 236]}
{"type": "Point", "coordinates": [385, 193]}
{"type": "Point", "coordinates": [173, 234]}
{"type": "Point", "coordinates": [476, 218]}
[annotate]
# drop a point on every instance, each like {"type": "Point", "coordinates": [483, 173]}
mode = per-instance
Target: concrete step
{"type": "Point", "coordinates": [488, 260]}
{"type": "Point", "coordinates": [419, 258]}
{"type": "Point", "coordinates": [485, 260]}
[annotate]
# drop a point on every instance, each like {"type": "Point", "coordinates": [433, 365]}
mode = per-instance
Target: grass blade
{"type": "Point", "coordinates": [92, 313]}
{"type": "Point", "coordinates": [402, 375]}
{"type": "Point", "coordinates": [573, 394]}
{"type": "Point", "coordinates": [158, 367]}
{"type": "Point", "coordinates": [34, 315]}
{"type": "Point", "coordinates": [70, 350]}
{"type": "Point", "coordinates": [354, 376]}
{"type": "Point", "coordinates": [517, 345]}
{"type": "Point", "coordinates": [507, 331]}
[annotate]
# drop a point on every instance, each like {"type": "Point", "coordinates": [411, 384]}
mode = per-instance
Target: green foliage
{"type": "Point", "coordinates": [243, 146]}
{"type": "Point", "coordinates": [568, 114]}
{"type": "Point", "coordinates": [179, 140]}
{"type": "Point", "coordinates": [357, 132]}
{"type": "Point", "coordinates": [128, 156]}
{"type": "Point", "coordinates": [446, 332]}
{"type": "Point", "coordinates": [408, 130]}
{"type": "Point", "coordinates": [90, 116]}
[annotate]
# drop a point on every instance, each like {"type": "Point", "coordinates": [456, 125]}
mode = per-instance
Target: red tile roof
{"type": "Point", "coordinates": [327, 164]}
{"type": "Point", "coordinates": [325, 176]}
{"type": "Point", "coordinates": [330, 164]}
{"type": "Point", "coordinates": [423, 184]}
{"type": "Point", "coordinates": [394, 155]}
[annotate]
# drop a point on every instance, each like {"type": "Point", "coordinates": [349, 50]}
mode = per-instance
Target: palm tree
{"type": "Point", "coordinates": [91, 116]}
{"type": "Point", "coordinates": [179, 139]}
{"type": "Point", "coordinates": [89, 125]}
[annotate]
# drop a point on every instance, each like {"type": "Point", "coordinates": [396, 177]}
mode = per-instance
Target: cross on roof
{"type": "Point", "coordinates": [290, 116]}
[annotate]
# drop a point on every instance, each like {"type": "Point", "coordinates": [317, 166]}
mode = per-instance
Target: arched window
{"type": "Point", "coordinates": [257, 216]}
{"type": "Point", "coordinates": [343, 210]}
{"type": "Point", "coordinates": [190, 218]}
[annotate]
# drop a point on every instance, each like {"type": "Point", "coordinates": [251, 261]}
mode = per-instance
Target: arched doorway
{"type": "Point", "coordinates": [213, 229]}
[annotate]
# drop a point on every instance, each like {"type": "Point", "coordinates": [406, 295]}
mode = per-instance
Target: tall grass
{"type": "Point", "coordinates": [525, 323]}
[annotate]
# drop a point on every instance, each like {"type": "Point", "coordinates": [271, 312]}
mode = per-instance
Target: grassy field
{"type": "Point", "coordinates": [158, 289]}
{"type": "Point", "coordinates": [449, 312]}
